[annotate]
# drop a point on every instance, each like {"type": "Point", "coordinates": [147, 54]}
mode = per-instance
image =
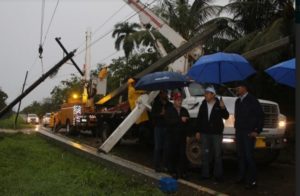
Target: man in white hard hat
{"type": "Point", "coordinates": [210, 131]}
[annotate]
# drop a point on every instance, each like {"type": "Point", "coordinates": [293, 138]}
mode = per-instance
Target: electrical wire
{"type": "Point", "coordinates": [128, 17]}
{"type": "Point", "coordinates": [42, 21]}
{"type": "Point", "coordinates": [51, 20]}
{"type": "Point", "coordinates": [104, 35]}
{"type": "Point", "coordinates": [102, 25]}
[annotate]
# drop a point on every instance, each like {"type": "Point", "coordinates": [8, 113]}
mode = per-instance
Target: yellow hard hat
{"type": "Point", "coordinates": [130, 81]}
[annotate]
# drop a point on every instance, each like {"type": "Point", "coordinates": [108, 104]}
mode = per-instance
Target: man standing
{"type": "Point", "coordinates": [160, 105]}
{"type": "Point", "coordinates": [248, 124]}
{"type": "Point", "coordinates": [210, 120]}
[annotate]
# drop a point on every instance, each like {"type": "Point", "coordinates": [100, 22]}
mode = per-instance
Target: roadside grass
{"type": "Point", "coordinates": [8, 123]}
{"type": "Point", "coordinates": [30, 165]}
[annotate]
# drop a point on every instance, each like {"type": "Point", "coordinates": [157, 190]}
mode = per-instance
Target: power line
{"type": "Point", "coordinates": [112, 54]}
{"type": "Point", "coordinates": [101, 26]}
{"type": "Point", "coordinates": [128, 17]}
{"type": "Point", "coordinates": [50, 22]}
{"type": "Point", "coordinates": [42, 20]}
{"type": "Point", "coordinates": [104, 35]}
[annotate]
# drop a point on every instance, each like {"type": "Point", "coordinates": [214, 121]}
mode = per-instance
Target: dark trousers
{"type": "Point", "coordinates": [175, 151]}
{"type": "Point", "coordinates": [245, 151]}
{"type": "Point", "coordinates": [159, 146]}
{"type": "Point", "coordinates": [211, 146]}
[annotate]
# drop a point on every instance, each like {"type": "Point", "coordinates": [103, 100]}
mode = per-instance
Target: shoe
{"type": "Point", "coordinates": [239, 181]}
{"type": "Point", "coordinates": [251, 185]}
{"type": "Point", "coordinates": [218, 180]}
{"type": "Point", "coordinates": [203, 178]}
{"type": "Point", "coordinates": [184, 176]}
{"type": "Point", "coordinates": [174, 175]}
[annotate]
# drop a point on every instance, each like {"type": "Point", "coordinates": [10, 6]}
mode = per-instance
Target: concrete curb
{"type": "Point", "coordinates": [144, 173]}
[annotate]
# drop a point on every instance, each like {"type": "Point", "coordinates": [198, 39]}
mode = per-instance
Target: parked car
{"type": "Point", "coordinates": [46, 119]}
{"type": "Point", "coordinates": [33, 118]}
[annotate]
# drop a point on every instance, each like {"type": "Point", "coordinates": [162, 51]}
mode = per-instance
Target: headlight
{"type": "Point", "coordinates": [228, 140]}
{"type": "Point", "coordinates": [230, 121]}
{"type": "Point", "coordinates": [282, 122]}
{"type": "Point", "coordinates": [92, 116]}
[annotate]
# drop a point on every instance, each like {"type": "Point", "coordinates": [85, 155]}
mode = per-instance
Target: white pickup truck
{"type": "Point", "coordinates": [269, 142]}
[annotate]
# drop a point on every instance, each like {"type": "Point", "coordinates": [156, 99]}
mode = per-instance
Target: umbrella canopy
{"type": "Point", "coordinates": [161, 81]}
{"type": "Point", "coordinates": [284, 72]}
{"type": "Point", "coordinates": [220, 67]}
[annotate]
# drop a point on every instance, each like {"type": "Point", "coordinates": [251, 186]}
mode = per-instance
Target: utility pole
{"type": "Point", "coordinates": [16, 119]}
{"type": "Point", "coordinates": [86, 67]}
{"type": "Point", "coordinates": [37, 82]}
{"type": "Point", "coordinates": [87, 56]}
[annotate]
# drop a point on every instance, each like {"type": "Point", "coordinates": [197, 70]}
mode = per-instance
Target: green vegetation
{"type": "Point", "coordinates": [8, 123]}
{"type": "Point", "coordinates": [30, 165]}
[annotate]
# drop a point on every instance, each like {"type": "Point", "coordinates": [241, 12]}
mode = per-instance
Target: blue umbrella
{"type": "Point", "coordinates": [161, 81]}
{"type": "Point", "coordinates": [220, 67]}
{"type": "Point", "coordinates": [284, 72]}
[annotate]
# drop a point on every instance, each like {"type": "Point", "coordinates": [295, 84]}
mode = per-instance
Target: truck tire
{"type": "Point", "coordinates": [68, 127]}
{"type": "Point", "coordinates": [266, 156]}
{"type": "Point", "coordinates": [56, 127]}
{"type": "Point", "coordinates": [193, 152]}
{"type": "Point", "coordinates": [105, 131]}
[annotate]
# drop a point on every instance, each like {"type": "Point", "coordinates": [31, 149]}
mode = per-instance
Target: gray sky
{"type": "Point", "coordinates": [20, 22]}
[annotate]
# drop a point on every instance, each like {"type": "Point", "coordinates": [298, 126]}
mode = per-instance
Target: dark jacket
{"type": "Point", "coordinates": [215, 123]}
{"type": "Point", "coordinates": [248, 115]}
{"type": "Point", "coordinates": [157, 107]}
{"type": "Point", "coordinates": [175, 126]}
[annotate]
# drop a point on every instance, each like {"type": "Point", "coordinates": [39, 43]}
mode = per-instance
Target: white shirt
{"type": "Point", "coordinates": [243, 96]}
{"type": "Point", "coordinates": [210, 105]}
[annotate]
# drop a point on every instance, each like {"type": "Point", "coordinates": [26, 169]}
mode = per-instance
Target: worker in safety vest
{"type": "Point", "coordinates": [133, 96]}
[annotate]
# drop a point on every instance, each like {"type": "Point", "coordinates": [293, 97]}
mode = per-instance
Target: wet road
{"type": "Point", "coordinates": [275, 179]}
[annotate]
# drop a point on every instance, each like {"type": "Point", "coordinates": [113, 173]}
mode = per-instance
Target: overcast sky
{"type": "Point", "coordinates": [20, 22]}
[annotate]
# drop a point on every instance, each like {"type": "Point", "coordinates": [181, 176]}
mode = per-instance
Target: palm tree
{"type": "Point", "coordinates": [188, 19]}
{"type": "Point", "coordinates": [267, 24]}
{"type": "Point", "coordinates": [126, 37]}
{"type": "Point", "coordinates": [255, 15]}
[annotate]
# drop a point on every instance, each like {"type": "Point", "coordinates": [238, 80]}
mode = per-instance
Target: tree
{"type": "Point", "coordinates": [268, 23]}
{"type": "Point", "coordinates": [125, 37]}
{"type": "Point", "coordinates": [35, 107]}
{"type": "Point", "coordinates": [3, 97]}
{"type": "Point", "coordinates": [60, 93]}
{"type": "Point", "coordinates": [120, 70]}
{"type": "Point", "coordinates": [188, 19]}
{"type": "Point", "coordinates": [255, 15]}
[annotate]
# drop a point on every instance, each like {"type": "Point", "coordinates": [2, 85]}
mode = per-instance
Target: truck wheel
{"type": "Point", "coordinates": [56, 127]}
{"type": "Point", "coordinates": [95, 132]}
{"type": "Point", "coordinates": [266, 156]}
{"type": "Point", "coordinates": [106, 131]}
{"type": "Point", "coordinates": [71, 130]}
{"type": "Point", "coordinates": [68, 128]}
{"type": "Point", "coordinates": [193, 152]}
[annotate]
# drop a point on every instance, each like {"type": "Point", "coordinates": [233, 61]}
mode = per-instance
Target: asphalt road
{"type": "Point", "coordinates": [278, 178]}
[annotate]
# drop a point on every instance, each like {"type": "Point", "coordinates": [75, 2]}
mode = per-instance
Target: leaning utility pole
{"type": "Point", "coordinates": [36, 83]}
{"type": "Point", "coordinates": [16, 119]}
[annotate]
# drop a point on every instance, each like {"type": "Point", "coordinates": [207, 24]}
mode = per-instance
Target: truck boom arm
{"type": "Point", "coordinates": [192, 43]}
{"type": "Point", "coordinates": [147, 16]}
